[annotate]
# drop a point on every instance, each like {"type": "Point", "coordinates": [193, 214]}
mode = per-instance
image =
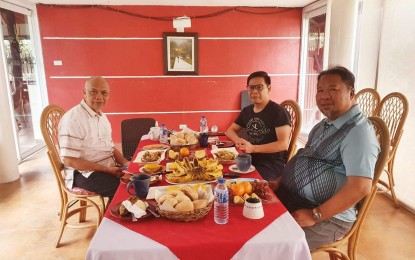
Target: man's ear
{"type": "Point", "coordinates": [352, 93]}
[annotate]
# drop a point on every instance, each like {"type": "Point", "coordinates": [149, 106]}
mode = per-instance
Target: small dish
{"type": "Point", "coordinates": [154, 179]}
{"type": "Point", "coordinates": [233, 168]}
{"type": "Point", "coordinates": [115, 213]}
{"type": "Point", "coordinates": [253, 210]}
{"type": "Point", "coordinates": [225, 155]}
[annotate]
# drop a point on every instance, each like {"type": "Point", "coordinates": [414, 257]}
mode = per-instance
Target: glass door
{"type": "Point", "coordinates": [21, 74]}
{"type": "Point", "coordinates": [313, 61]}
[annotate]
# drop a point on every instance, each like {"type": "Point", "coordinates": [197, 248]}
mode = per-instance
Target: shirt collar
{"type": "Point", "coordinates": [341, 120]}
{"type": "Point", "coordinates": [91, 112]}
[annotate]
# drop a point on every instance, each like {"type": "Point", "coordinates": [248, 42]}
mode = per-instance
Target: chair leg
{"type": "Point", "coordinates": [82, 212]}
{"type": "Point", "coordinates": [392, 181]}
{"type": "Point", "coordinates": [62, 226]}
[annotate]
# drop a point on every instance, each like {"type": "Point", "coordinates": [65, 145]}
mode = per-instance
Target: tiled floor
{"type": "Point", "coordinates": [29, 222]}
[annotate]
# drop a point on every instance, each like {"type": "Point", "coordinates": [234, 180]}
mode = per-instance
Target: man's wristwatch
{"type": "Point", "coordinates": [316, 214]}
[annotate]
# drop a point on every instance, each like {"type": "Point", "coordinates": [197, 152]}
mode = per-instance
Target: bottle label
{"type": "Point", "coordinates": [222, 197]}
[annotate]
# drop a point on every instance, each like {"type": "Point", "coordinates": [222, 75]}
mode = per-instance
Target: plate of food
{"type": "Point", "coordinates": [127, 178]}
{"type": "Point", "coordinates": [234, 168]}
{"type": "Point", "coordinates": [153, 156]}
{"type": "Point", "coordinates": [225, 155]}
{"type": "Point", "coordinates": [152, 168]}
{"type": "Point", "coordinates": [241, 189]}
{"type": "Point", "coordinates": [156, 147]}
{"type": "Point", "coordinates": [119, 210]}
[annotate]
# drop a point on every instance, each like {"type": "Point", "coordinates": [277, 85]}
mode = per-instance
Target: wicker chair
{"type": "Point", "coordinates": [352, 237]}
{"type": "Point", "coordinates": [368, 100]}
{"type": "Point", "coordinates": [294, 111]}
{"type": "Point", "coordinates": [393, 110]}
{"type": "Point", "coordinates": [131, 132]}
{"type": "Point", "coordinates": [49, 122]}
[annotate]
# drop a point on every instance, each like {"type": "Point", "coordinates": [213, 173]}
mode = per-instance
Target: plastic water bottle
{"type": "Point", "coordinates": [221, 204]}
{"type": "Point", "coordinates": [163, 134]}
{"type": "Point", "coordinates": [203, 125]}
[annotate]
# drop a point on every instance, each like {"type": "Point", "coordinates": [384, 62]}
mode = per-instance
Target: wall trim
{"type": "Point", "coordinates": [179, 76]}
{"type": "Point", "coordinates": [160, 38]}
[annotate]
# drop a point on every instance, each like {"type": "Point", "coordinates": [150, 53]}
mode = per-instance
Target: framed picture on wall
{"type": "Point", "coordinates": [180, 53]}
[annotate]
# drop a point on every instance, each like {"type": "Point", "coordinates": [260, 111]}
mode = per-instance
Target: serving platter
{"type": "Point", "coordinates": [154, 179]}
{"type": "Point", "coordinates": [156, 147]}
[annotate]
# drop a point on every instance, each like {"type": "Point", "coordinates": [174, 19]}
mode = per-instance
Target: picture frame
{"type": "Point", "coordinates": [180, 53]}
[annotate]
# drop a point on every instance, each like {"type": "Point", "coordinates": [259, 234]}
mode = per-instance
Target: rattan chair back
{"type": "Point", "coordinates": [294, 111]}
{"type": "Point", "coordinates": [131, 132]}
{"type": "Point", "coordinates": [49, 123]}
{"type": "Point", "coordinates": [352, 237]}
{"type": "Point", "coordinates": [393, 110]}
{"type": "Point", "coordinates": [368, 100]}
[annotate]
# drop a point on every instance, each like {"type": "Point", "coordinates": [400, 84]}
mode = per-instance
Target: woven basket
{"type": "Point", "coordinates": [186, 216]}
{"type": "Point", "coordinates": [177, 148]}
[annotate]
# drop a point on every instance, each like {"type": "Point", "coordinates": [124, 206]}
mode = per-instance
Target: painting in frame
{"type": "Point", "coordinates": [180, 53]}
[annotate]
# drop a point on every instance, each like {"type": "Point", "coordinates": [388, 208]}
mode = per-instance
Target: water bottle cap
{"type": "Point", "coordinates": [203, 116]}
{"type": "Point", "coordinates": [163, 124]}
{"type": "Point", "coordinates": [221, 180]}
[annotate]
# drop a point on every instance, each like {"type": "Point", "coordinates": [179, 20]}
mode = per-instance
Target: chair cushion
{"type": "Point", "coordinates": [80, 191]}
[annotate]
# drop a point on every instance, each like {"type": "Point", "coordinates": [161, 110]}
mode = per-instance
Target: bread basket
{"type": "Point", "coordinates": [177, 148]}
{"type": "Point", "coordinates": [186, 216]}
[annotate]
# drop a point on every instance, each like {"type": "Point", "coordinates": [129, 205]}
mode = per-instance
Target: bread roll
{"type": "Point", "coordinates": [190, 192]}
{"type": "Point", "coordinates": [171, 201]}
{"type": "Point", "coordinates": [199, 204]}
{"type": "Point", "coordinates": [141, 204]}
{"type": "Point", "coordinates": [185, 205]}
{"type": "Point", "coordinates": [181, 197]}
{"type": "Point", "coordinates": [174, 193]}
{"type": "Point", "coordinates": [164, 197]}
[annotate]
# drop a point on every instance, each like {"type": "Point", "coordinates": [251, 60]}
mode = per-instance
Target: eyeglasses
{"type": "Point", "coordinates": [257, 87]}
{"type": "Point", "coordinates": [95, 93]}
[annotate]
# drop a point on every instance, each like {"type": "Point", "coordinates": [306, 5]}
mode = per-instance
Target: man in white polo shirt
{"type": "Point", "coordinates": [86, 143]}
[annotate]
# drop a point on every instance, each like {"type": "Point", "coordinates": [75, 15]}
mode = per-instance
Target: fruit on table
{"type": "Point", "coordinates": [173, 155]}
{"type": "Point", "coordinates": [237, 189]}
{"type": "Point", "coordinates": [248, 187]}
{"type": "Point", "coordinates": [199, 154]}
{"type": "Point", "coordinates": [184, 151]}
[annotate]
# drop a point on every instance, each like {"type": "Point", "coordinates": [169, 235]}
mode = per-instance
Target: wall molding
{"type": "Point", "coordinates": [160, 38]}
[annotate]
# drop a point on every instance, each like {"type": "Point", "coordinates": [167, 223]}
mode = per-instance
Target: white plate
{"type": "Point", "coordinates": [242, 179]}
{"type": "Point", "coordinates": [233, 168]}
{"type": "Point", "coordinates": [190, 182]}
{"type": "Point", "coordinates": [230, 149]}
{"type": "Point", "coordinates": [139, 157]}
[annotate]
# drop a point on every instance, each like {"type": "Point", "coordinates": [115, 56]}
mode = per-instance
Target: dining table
{"type": "Point", "coordinates": [275, 236]}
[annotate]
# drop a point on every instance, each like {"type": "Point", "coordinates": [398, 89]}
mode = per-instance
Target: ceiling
{"type": "Point", "coordinates": [265, 3]}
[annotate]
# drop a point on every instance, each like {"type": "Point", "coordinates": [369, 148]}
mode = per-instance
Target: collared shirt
{"type": "Point", "coordinates": [335, 150]}
{"type": "Point", "coordinates": [87, 135]}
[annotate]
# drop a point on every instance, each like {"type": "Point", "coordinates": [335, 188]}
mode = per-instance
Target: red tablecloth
{"type": "Point", "coordinates": [203, 238]}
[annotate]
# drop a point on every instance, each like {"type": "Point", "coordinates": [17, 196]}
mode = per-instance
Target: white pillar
{"type": "Point", "coordinates": [9, 170]}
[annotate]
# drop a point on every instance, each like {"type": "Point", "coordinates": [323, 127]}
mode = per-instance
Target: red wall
{"type": "Point", "coordinates": [134, 67]}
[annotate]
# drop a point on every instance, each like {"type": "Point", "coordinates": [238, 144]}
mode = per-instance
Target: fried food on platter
{"type": "Point", "coordinates": [197, 170]}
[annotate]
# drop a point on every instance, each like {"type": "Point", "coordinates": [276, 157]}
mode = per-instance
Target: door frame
{"type": "Point", "coordinates": [30, 11]}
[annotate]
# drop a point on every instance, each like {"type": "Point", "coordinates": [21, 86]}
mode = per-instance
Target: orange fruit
{"type": "Point", "coordinates": [248, 187]}
{"type": "Point", "coordinates": [184, 152]}
{"type": "Point", "coordinates": [237, 189]}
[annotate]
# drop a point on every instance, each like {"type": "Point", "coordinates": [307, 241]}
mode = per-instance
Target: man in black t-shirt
{"type": "Point", "coordinates": [268, 126]}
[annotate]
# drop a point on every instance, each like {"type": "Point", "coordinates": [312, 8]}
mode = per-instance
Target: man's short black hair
{"type": "Point", "coordinates": [259, 74]}
{"type": "Point", "coordinates": [345, 74]}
